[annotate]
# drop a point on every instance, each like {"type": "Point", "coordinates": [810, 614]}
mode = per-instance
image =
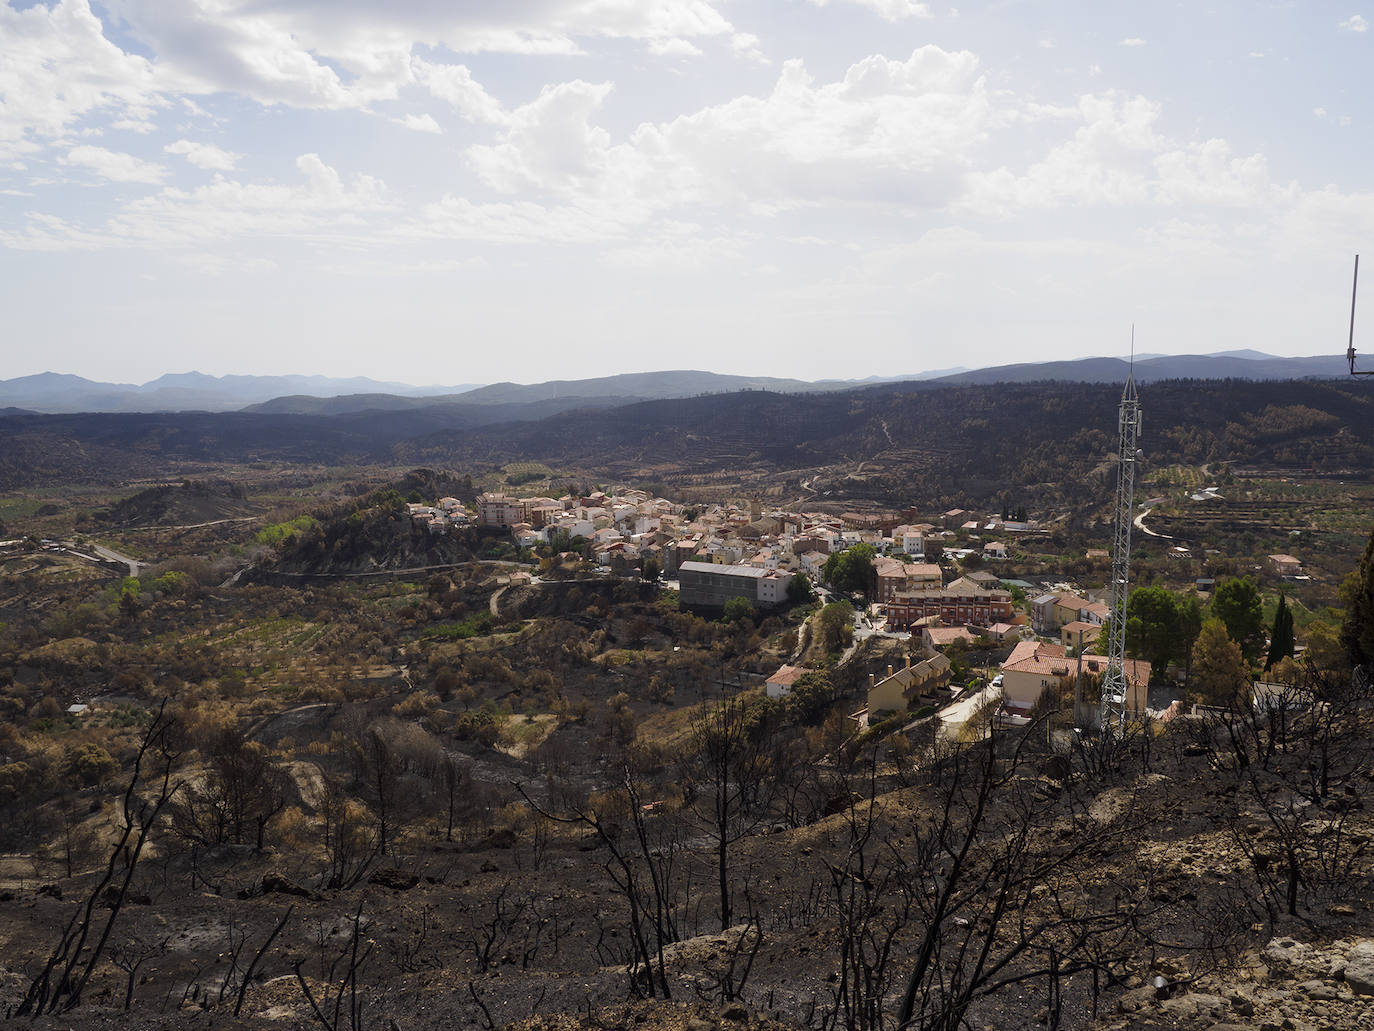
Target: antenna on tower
{"type": "Point", "coordinates": [1350, 347]}
{"type": "Point", "coordinates": [1114, 683]}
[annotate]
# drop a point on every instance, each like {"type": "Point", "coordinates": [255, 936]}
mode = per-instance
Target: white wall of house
{"type": "Point", "coordinates": [773, 588]}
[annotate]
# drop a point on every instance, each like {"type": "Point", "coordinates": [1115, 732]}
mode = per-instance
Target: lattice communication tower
{"type": "Point", "coordinates": [1114, 683]}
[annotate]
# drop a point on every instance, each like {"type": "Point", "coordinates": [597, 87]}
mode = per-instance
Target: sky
{"type": "Point", "coordinates": [468, 191]}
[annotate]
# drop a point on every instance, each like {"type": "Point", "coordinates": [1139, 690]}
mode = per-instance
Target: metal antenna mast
{"type": "Point", "coordinates": [1350, 347]}
{"type": "Point", "coordinates": [1114, 685]}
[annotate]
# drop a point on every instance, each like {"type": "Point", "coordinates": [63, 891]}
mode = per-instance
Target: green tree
{"type": "Point", "coordinates": [835, 625]}
{"type": "Point", "coordinates": [799, 591]}
{"type": "Point", "coordinates": [1220, 672]}
{"type": "Point", "coordinates": [1152, 627]}
{"type": "Point", "coordinates": [1357, 593]}
{"type": "Point", "coordinates": [738, 610]}
{"type": "Point", "coordinates": [1189, 626]}
{"type": "Point", "coordinates": [87, 764]}
{"type": "Point", "coordinates": [129, 605]}
{"type": "Point", "coordinates": [1324, 651]}
{"type": "Point", "coordinates": [851, 569]}
{"type": "Point", "coordinates": [1281, 636]}
{"type": "Point", "coordinates": [1237, 604]}
{"type": "Point", "coordinates": [812, 696]}
{"type": "Point", "coordinates": [651, 569]}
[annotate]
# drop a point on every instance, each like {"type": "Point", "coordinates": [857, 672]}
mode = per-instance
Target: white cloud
{"type": "Point", "coordinates": [747, 46]}
{"type": "Point", "coordinates": [1355, 23]}
{"type": "Point", "coordinates": [321, 206]}
{"type": "Point", "coordinates": [208, 46]}
{"type": "Point", "coordinates": [454, 84]}
{"type": "Point", "coordinates": [891, 10]}
{"type": "Point", "coordinates": [204, 155]}
{"type": "Point", "coordinates": [114, 165]}
{"type": "Point", "coordinates": [549, 142]}
{"type": "Point", "coordinates": [1118, 156]}
{"type": "Point", "coordinates": [887, 132]}
{"type": "Point", "coordinates": [1133, 41]}
{"type": "Point", "coordinates": [673, 48]}
{"type": "Point", "coordinates": [515, 222]}
{"type": "Point", "coordinates": [56, 67]}
{"type": "Point", "coordinates": [420, 123]}
{"type": "Point", "coordinates": [1320, 112]}
{"type": "Point", "coordinates": [288, 51]}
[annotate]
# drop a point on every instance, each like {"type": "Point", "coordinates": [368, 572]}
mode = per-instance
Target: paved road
{"type": "Point", "coordinates": [197, 526]}
{"type": "Point", "coordinates": [400, 572]}
{"type": "Point", "coordinates": [110, 555]}
{"type": "Point", "coordinates": [1140, 525]}
{"type": "Point", "coordinates": [955, 716]}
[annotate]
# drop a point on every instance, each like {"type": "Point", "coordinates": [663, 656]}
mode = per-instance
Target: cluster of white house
{"type": "Point", "coordinates": [750, 553]}
{"type": "Point", "coordinates": [441, 517]}
{"type": "Point", "coordinates": [1033, 669]}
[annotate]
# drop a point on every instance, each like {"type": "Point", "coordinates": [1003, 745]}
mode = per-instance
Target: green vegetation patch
{"type": "Point", "coordinates": [276, 534]}
{"type": "Point", "coordinates": [479, 624]}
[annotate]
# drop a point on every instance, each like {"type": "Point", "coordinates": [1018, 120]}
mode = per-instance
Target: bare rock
{"type": "Point", "coordinates": [1287, 958]}
{"type": "Point", "coordinates": [1136, 999]}
{"type": "Point", "coordinates": [1359, 967]}
{"type": "Point", "coordinates": [1194, 1005]}
{"type": "Point", "coordinates": [1318, 990]}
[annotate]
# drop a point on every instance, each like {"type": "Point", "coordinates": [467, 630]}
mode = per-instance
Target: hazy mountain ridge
{"type": "Point", "coordinates": [62, 393]}
{"type": "Point", "coordinates": [877, 442]}
{"type": "Point", "coordinates": [971, 439]}
{"type": "Point", "coordinates": [1243, 364]}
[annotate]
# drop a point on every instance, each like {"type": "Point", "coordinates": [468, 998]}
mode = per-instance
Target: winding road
{"type": "Point", "coordinates": [1140, 525]}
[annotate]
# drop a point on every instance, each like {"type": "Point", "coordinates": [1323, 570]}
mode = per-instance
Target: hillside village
{"type": "Point", "coordinates": [448, 708]}
{"type": "Point", "coordinates": [930, 583]}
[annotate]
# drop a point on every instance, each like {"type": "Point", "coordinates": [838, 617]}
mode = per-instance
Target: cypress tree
{"type": "Point", "coordinates": [1357, 633]}
{"type": "Point", "coordinates": [1281, 634]}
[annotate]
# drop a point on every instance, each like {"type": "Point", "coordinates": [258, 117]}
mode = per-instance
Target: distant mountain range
{"type": "Point", "coordinates": [1244, 364]}
{"type": "Point", "coordinates": [951, 443]}
{"type": "Point", "coordinates": [541, 399]}
{"type": "Point", "coordinates": [55, 393]}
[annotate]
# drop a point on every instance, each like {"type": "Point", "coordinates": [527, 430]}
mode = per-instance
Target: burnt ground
{"type": "Point", "coordinates": [523, 924]}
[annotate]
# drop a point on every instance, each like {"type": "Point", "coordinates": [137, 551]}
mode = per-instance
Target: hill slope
{"type": "Point", "coordinates": [887, 443]}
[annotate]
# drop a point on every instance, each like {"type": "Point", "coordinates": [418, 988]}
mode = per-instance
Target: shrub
{"type": "Point", "coordinates": [87, 764]}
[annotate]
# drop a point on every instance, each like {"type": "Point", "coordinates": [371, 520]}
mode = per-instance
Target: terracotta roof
{"type": "Point", "coordinates": [940, 636]}
{"type": "Point", "coordinates": [786, 676]}
{"type": "Point", "coordinates": [1078, 625]}
{"type": "Point", "coordinates": [1049, 660]}
{"type": "Point", "coordinates": [891, 567]}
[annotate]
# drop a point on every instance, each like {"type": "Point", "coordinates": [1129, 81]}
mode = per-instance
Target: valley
{"type": "Point", "coordinates": [507, 775]}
